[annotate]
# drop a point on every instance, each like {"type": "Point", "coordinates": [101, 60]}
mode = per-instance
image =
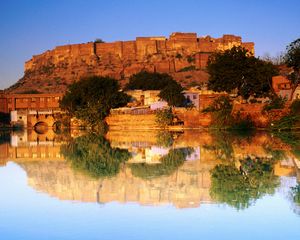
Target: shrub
{"type": "Point", "coordinates": [164, 117]}
{"type": "Point", "coordinates": [276, 103]}
{"type": "Point", "coordinates": [178, 55]}
{"type": "Point", "coordinates": [188, 68]}
{"type": "Point", "coordinates": [190, 59]}
{"type": "Point", "coordinates": [295, 107]}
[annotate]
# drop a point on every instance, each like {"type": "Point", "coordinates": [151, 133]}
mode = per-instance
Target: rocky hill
{"type": "Point", "coordinates": [183, 55]}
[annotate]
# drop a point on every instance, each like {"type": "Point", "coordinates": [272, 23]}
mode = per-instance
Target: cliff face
{"type": "Point", "coordinates": [183, 55]}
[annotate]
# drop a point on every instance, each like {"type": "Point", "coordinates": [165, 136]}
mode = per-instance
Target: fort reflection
{"type": "Point", "coordinates": [188, 184]}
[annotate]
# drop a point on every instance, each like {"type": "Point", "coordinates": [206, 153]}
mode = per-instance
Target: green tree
{"type": "Point", "coordinates": [241, 187]}
{"type": "Point", "coordinates": [93, 155]}
{"type": "Point", "coordinates": [164, 117]}
{"type": "Point", "coordinates": [99, 40]}
{"type": "Point", "coordinates": [172, 94]}
{"type": "Point", "coordinates": [91, 98]}
{"type": "Point", "coordinates": [171, 91]}
{"type": "Point", "coordinates": [221, 111]}
{"type": "Point", "coordinates": [292, 59]}
{"type": "Point", "coordinates": [237, 69]}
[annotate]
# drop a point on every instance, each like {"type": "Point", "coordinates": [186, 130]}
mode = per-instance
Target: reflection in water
{"type": "Point", "coordinates": [184, 169]}
{"type": "Point", "coordinates": [93, 155]}
{"type": "Point", "coordinates": [240, 187]}
{"type": "Point", "coordinates": [167, 164]}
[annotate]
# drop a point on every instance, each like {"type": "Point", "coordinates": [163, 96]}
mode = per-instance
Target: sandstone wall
{"type": "Point", "coordinates": [53, 70]}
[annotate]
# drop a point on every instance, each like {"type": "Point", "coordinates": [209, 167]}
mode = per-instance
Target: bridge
{"type": "Point", "coordinates": [39, 120]}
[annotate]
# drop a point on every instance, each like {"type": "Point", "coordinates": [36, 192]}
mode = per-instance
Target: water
{"type": "Point", "coordinates": [149, 185]}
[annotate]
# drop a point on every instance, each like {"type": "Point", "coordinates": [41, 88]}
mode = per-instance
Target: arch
{"type": "Point", "coordinates": [41, 127]}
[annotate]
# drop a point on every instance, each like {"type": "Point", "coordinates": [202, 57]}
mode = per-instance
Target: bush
{"type": "Point", "coordinates": [188, 68]}
{"type": "Point", "coordinates": [221, 111]}
{"type": "Point", "coordinates": [164, 117]}
{"type": "Point", "coordinates": [178, 55]}
{"type": "Point", "coordinates": [295, 107]}
{"type": "Point", "coordinates": [276, 103]}
{"type": "Point", "coordinates": [290, 121]}
{"type": "Point", "coordinates": [190, 59]}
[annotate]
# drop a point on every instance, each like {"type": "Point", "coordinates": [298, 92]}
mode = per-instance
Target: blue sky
{"type": "Point", "coordinates": [33, 26]}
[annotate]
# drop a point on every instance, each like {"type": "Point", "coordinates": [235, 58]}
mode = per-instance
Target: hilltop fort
{"type": "Point", "coordinates": [183, 55]}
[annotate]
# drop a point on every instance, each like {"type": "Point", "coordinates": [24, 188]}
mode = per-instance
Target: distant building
{"type": "Point", "coordinates": [144, 97]}
{"type": "Point", "coordinates": [282, 87]}
{"type": "Point", "coordinates": [296, 93]}
{"type": "Point", "coordinates": [30, 109]}
{"type": "Point", "coordinates": [42, 101]}
{"type": "Point", "coordinates": [201, 99]}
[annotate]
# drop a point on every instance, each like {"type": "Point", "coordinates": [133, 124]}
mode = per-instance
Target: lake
{"type": "Point", "coordinates": [149, 185]}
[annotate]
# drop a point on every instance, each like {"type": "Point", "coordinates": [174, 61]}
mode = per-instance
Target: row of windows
{"type": "Point", "coordinates": [42, 99]}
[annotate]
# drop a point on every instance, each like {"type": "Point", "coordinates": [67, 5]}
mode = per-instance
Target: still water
{"type": "Point", "coordinates": [149, 185]}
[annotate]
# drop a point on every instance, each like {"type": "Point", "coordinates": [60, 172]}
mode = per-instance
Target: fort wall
{"type": "Point", "coordinates": [54, 69]}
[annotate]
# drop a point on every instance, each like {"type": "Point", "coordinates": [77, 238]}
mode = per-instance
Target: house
{"type": "Point", "coordinates": [282, 87]}
{"type": "Point", "coordinates": [144, 97]}
{"type": "Point", "coordinates": [296, 93]}
{"type": "Point", "coordinates": [201, 99]}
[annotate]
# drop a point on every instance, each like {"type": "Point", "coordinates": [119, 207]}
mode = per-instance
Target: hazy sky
{"type": "Point", "coordinates": [31, 27]}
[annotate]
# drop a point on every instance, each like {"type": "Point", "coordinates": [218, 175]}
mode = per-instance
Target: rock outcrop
{"type": "Point", "coordinates": [183, 55]}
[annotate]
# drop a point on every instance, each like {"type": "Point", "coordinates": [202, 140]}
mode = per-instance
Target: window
{"type": "Point", "coordinates": [194, 97]}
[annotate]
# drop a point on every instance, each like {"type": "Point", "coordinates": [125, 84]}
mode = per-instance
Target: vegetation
{"type": "Point", "coordinates": [172, 95]}
{"type": "Point", "coordinates": [221, 110]}
{"type": "Point", "coordinates": [178, 55]}
{"type": "Point", "coordinates": [296, 194]}
{"type": "Point", "coordinates": [168, 164]}
{"type": "Point", "coordinates": [93, 155]}
{"type": "Point", "coordinates": [292, 59]}
{"type": "Point", "coordinates": [164, 117]}
{"type": "Point", "coordinates": [98, 40]}
{"type": "Point", "coordinates": [164, 139]}
{"type": "Point", "coordinates": [91, 99]}
{"type": "Point", "coordinates": [241, 187]}
{"type": "Point", "coordinates": [4, 119]}
{"type": "Point", "coordinates": [276, 103]}
{"type": "Point", "coordinates": [236, 69]}
{"type": "Point", "coordinates": [31, 91]}
{"type": "Point", "coordinates": [290, 121]}
{"type": "Point", "coordinates": [171, 91]}
{"type": "Point", "coordinates": [188, 68]}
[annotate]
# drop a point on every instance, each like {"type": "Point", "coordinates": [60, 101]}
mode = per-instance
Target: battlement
{"type": "Point", "coordinates": [120, 59]}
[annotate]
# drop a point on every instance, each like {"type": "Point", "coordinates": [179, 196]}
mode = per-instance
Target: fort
{"type": "Point", "coordinates": [183, 55]}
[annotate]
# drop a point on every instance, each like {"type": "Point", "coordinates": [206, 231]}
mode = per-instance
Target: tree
{"type": "Point", "coordinates": [99, 40]}
{"type": "Point", "coordinates": [292, 59]}
{"type": "Point", "coordinates": [91, 98]}
{"type": "Point", "coordinates": [93, 155]}
{"type": "Point", "coordinates": [164, 117]}
{"type": "Point", "coordinates": [237, 69]}
{"type": "Point", "coordinates": [172, 94]}
{"type": "Point", "coordinates": [171, 91]}
{"type": "Point", "coordinates": [241, 187]}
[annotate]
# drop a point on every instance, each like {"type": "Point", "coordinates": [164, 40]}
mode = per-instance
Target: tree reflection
{"type": "Point", "coordinates": [241, 187]}
{"type": "Point", "coordinates": [168, 164]}
{"type": "Point", "coordinates": [92, 154]}
{"type": "Point", "coordinates": [296, 194]}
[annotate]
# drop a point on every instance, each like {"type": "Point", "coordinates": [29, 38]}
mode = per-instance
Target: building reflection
{"type": "Point", "coordinates": [187, 186]}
